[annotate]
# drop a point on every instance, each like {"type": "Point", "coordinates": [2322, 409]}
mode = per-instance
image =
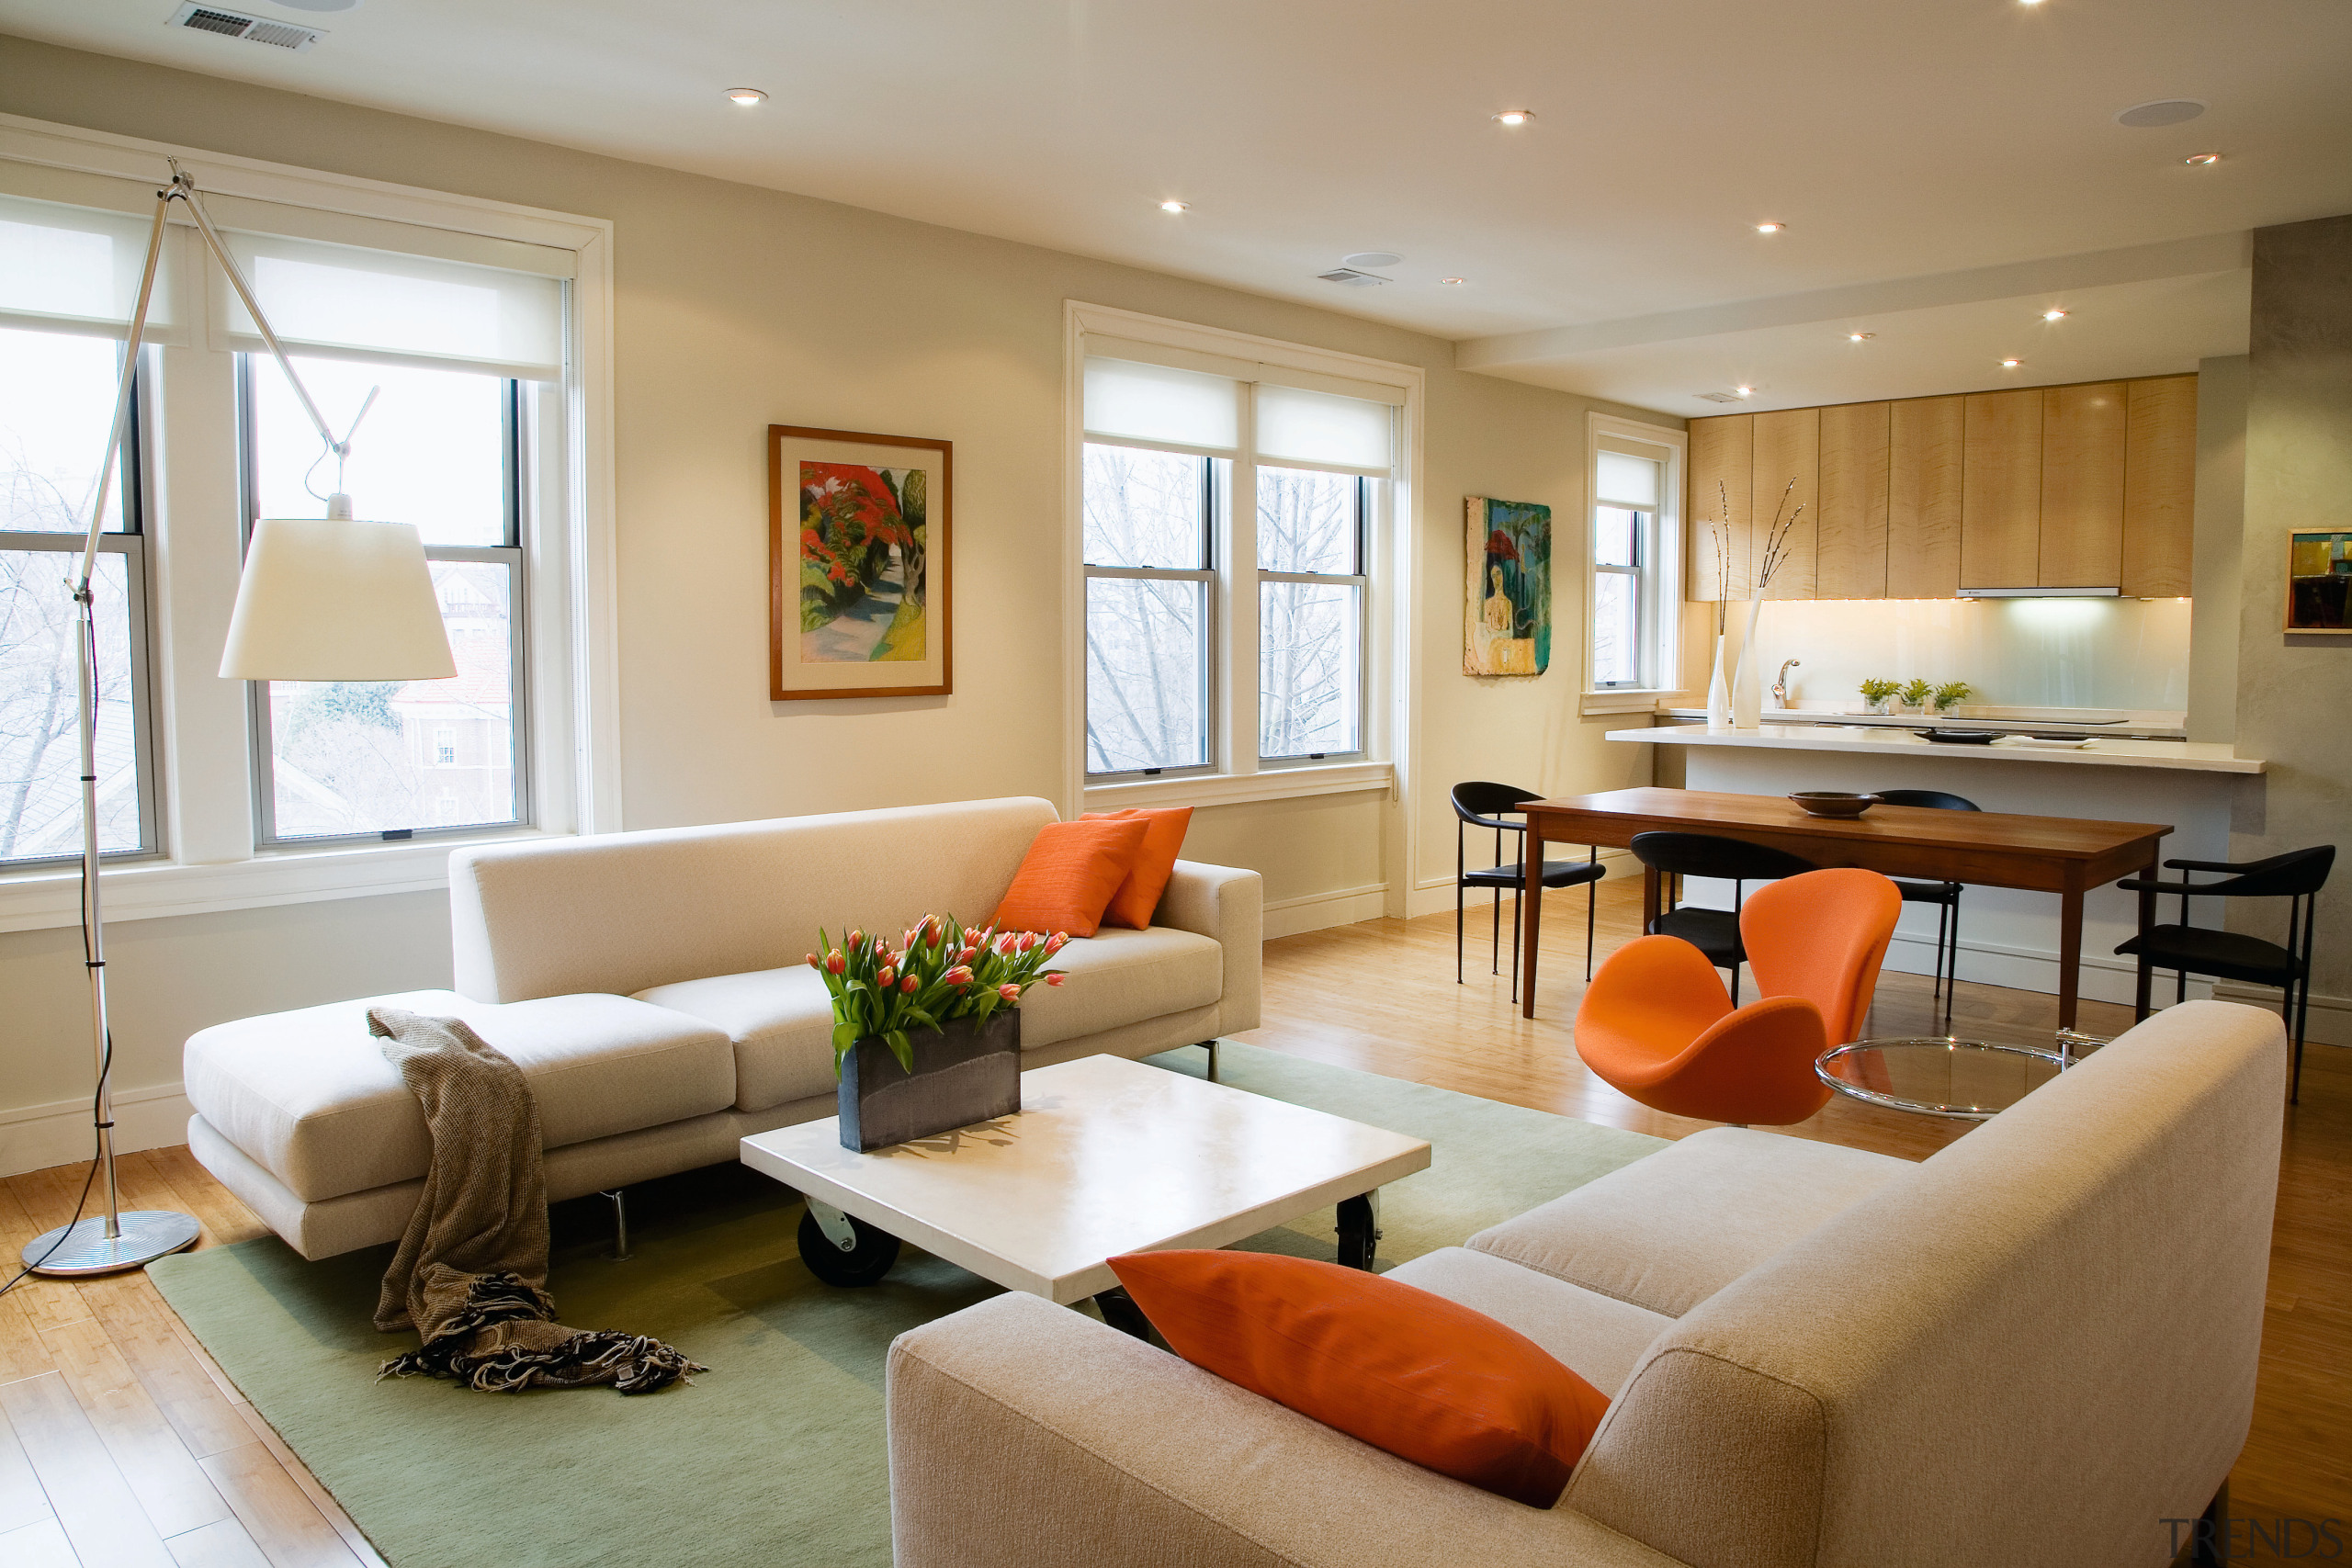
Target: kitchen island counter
{"type": "Point", "coordinates": [2103, 752]}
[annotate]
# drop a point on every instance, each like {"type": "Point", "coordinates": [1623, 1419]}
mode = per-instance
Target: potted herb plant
{"type": "Point", "coordinates": [927, 1030]}
{"type": "Point", "coordinates": [1916, 693]}
{"type": "Point", "coordinates": [1951, 694]}
{"type": "Point", "coordinates": [1875, 693]}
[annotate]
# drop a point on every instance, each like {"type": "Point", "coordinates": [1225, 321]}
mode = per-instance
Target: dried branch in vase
{"type": "Point", "coordinates": [1776, 540]}
{"type": "Point", "coordinates": [1722, 557]}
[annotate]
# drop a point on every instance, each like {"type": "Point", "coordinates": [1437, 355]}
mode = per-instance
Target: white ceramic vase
{"type": "Point", "coordinates": [1719, 693]}
{"type": "Point", "coordinates": [1747, 685]}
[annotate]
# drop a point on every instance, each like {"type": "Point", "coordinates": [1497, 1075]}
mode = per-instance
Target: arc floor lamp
{"type": "Point", "coordinates": [330, 599]}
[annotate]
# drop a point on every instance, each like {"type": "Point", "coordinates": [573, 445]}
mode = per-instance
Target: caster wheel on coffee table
{"type": "Point", "coordinates": [863, 1262]}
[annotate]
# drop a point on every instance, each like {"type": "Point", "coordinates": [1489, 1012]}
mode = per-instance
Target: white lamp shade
{"type": "Point", "coordinates": [329, 598]}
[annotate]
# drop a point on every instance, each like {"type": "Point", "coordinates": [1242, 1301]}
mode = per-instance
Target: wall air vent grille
{"type": "Point", "coordinates": [1349, 277]}
{"type": "Point", "coordinates": [237, 25]}
{"type": "Point", "coordinates": [1717, 397]}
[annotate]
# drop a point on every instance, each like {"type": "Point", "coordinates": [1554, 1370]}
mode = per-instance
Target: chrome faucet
{"type": "Point", "coordinates": [1780, 682]}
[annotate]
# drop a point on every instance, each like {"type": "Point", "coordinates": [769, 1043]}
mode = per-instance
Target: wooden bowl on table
{"type": "Point", "coordinates": [1833, 802]}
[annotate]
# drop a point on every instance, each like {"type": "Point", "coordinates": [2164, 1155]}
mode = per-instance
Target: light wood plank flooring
{"type": "Point", "coordinates": [122, 1444]}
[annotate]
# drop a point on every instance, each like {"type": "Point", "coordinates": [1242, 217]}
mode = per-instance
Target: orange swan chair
{"type": "Point", "coordinates": [1658, 1026]}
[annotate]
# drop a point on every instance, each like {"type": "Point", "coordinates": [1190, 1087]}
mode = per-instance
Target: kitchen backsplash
{"type": "Point", "coordinates": [2097, 653]}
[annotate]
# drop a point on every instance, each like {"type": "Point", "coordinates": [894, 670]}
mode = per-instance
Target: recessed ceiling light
{"type": "Point", "coordinates": [2203, 159]}
{"type": "Point", "coordinates": [2011, 363]}
{"type": "Point", "coordinates": [1172, 205]}
{"type": "Point", "coordinates": [1770, 227]}
{"type": "Point", "coordinates": [1745, 391]}
{"type": "Point", "coordinates": [745, 95]}
{"type": "Point", "coordinates": [2160, 111]}
{"type": "Point", "coordinates": [1515, 117]}
{"type": "Point", "coordinates": [1860, 337]}
{"type": "Point", "coordinates": [2053, 314]}
{"type": "Point", "coordinates": [1450, 282]}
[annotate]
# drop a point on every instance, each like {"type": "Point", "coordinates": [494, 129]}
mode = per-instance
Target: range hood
{"type": "Point", "coordinates": [2041, 592]}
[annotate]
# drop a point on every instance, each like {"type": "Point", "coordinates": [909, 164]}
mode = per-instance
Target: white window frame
{"type": "Point", "coordinates": [1238, 774]}
{"type": "Point", "coordinates": [210, 858]}
{"type": "Point", "coordinates": [1662, 576]}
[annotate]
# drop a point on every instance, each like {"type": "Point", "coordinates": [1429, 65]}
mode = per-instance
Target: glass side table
{"type": "Point", "coordinates": [1966, 1080]}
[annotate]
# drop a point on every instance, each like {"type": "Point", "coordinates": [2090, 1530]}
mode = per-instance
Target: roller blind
{"type": "Point", "coordinates": [352, 302]}
{"type": "Point", "coordinates": [1161, 403]}
{"type": "Point", "coordinates": [1325, 430]}
{"type": "Point", "coordinates": [1630, 480]}
{"type": "Point", "coordinates": [75, 268]}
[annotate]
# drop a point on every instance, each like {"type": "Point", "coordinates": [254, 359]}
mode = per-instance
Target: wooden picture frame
{"type": "Point", "coordinates": [2319, 581]}
{"type": "Point", "coordinates": [859, 565]}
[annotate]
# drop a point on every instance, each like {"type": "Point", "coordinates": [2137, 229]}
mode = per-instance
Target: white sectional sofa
{"type": "Point", "coordinates": [2034, 1348]}
{"type": "Point", "coordinates": [651, 986]}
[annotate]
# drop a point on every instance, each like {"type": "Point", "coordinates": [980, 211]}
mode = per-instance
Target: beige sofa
{"type": "Point", "coordinates": [2032, 1349]}
{"type": "Point", "coordinates": [651, 986]}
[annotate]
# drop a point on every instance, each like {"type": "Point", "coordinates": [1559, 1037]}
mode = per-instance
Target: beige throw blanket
{"type": "Point", "coordinates": [469, 1271]}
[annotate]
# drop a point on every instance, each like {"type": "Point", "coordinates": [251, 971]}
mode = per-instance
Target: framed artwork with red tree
{"type": "Point", "coordinates": [857, 564]}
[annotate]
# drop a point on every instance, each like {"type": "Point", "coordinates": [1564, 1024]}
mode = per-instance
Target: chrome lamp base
{"type": "Point", "coordinates": [83, 1247]}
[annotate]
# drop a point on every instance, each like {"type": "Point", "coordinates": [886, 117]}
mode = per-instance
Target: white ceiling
{"type": "Point", "coordinates": [1926, 140]}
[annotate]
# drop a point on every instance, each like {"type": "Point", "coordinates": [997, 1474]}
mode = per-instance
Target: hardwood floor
{"type": "Point", "coordinates": [122, 1444]}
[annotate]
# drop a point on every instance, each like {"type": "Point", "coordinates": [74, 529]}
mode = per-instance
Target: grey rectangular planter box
{"type": "Point", "coordinates": [962, 1073]}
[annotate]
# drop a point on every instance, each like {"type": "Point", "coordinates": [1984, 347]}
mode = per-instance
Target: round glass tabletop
{"type": "Point", "coordinates": [1965, 1079]}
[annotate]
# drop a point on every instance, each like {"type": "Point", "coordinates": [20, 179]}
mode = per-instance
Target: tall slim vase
{"type": "Point", "coordinates": [1719, 693]}
{"type": "Point", "coordinates": [1747, 685]}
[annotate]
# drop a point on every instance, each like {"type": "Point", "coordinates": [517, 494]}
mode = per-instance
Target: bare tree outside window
{"type": "Point", "coordinates": [1310, 612]}
{"type": "Point", "coordinates": [1146, 609]}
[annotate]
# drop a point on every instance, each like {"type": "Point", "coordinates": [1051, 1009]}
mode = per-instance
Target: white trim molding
{"type": "Point", "coordinates": [34, 1137]}
{"type": "Point", "coordinates": [209, 860]}
{"type": "Point", "coordinates": [1321, 911]}
{"type": "Point", "coordinates": [1662, 591]}
{"type": "Point", "coordinates": [1235, 789]}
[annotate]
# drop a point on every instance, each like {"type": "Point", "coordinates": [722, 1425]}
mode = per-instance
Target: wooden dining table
{"type": "Point", "coordinates": [2065, 855]}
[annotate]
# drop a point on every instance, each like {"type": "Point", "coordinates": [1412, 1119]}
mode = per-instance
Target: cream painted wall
{"type": "Point", "coordinates": [735, 308]}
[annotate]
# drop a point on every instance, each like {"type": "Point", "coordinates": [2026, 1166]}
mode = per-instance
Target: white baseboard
{"type": "Point", "coordinates": [2330, 1023]}
{"type": "Point", "coordinates": [34, 1138]}
{"type": "Point", "coordinates": [1318, 911]}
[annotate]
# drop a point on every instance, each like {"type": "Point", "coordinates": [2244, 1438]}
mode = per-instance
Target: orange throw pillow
{"type": "Point", "coordinates": [1163, 841]}
{"type": "Point", "coordinates": [1402, 1369]}
{"type": "Point", "coordinates": [1068, 875]}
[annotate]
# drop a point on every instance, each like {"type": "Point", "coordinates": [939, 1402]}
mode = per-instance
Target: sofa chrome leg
{"type": "Point", "coordinates": [620, 1253]}
{"type": "Point", "coordinates": [1210, 1046]}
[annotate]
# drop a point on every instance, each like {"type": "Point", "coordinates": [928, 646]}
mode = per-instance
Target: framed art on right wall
{"type": "Point", "coordinates": [2319, 579]}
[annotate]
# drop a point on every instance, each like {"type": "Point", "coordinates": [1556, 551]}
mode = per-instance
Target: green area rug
{"type": "Point", "coordinates": [776, 1456]}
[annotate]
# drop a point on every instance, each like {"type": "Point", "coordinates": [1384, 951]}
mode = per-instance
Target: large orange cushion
{"type": "Point", "coordinates": [1067, 878]}
{"type": "Point", "coordinates": [1402, 1369]}
{"type": "Point", "coordinates": [1163, 841]}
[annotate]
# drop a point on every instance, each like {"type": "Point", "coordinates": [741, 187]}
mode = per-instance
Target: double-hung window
{"type": "Point", "coordinates": [64, 296]}
{"type": "Point", "coordinates": [1229, 523]}
{"type": "Point", "coordinates": [1634, 590]}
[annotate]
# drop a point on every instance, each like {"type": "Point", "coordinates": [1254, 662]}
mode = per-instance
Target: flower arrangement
{"type": "Point", "coordinates": [1875, 691]}
{"type": "Point", "coordinates": [1951, 694]}
{"type": "Point", "coordinates": [939, 971]}
{"type": "Point", "coordinates": [1916, 693]}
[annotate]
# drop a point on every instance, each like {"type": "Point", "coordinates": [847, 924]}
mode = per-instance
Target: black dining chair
{"type": "Point", "coordinates": [2296, 876]}
{"type": "Point", "coordinates": [1945, 896]}
{"type": "Point", "coordinates": [1481, 805]}
{"type": "Point", "coordinates": [1714, 933]}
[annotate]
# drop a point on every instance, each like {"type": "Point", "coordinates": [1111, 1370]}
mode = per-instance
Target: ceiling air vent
{"type": "Point", "coordinates": [1717, 397]}
{"type": "Point", "coordinates": [1349, 277]}
{"type": "Point", "coordinates": [236, 24]}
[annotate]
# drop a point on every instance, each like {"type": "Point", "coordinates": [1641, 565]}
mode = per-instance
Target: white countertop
{"type": "Point", "coordinates": [2195, 756]}
{"type": "Point", "coordinates": [2148, 723]}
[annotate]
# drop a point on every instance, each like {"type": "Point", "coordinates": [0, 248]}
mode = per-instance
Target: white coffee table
{"type": "Point", "coordinates": [1106, 1156]}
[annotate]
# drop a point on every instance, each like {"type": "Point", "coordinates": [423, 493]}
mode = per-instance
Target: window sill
{"type": "Point", "coordinates": [1643, 701]}
{"type": "Point", "coordinates": [154, 890]}
{"type": "Point", "coordinates": [1235, 789]}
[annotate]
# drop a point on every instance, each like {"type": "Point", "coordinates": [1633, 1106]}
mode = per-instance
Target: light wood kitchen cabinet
{"type": "Point", "coordinates": [1786, 486]}
{"type": "Point", "coordinates": [1849, 543]}
{"type": "Point", "coordinates": [2082, 486]}
{"type": "Point", "coordinates": [2159, 486]}
{"type": "Point", "coordinates": [2000, 490]}
{"type": "Point", "coordinates": [2091, 486]}
{"type": "Point", "coordinates": [1923, 485]}
{"type": "Point", "coordinates": [1721, 458]}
